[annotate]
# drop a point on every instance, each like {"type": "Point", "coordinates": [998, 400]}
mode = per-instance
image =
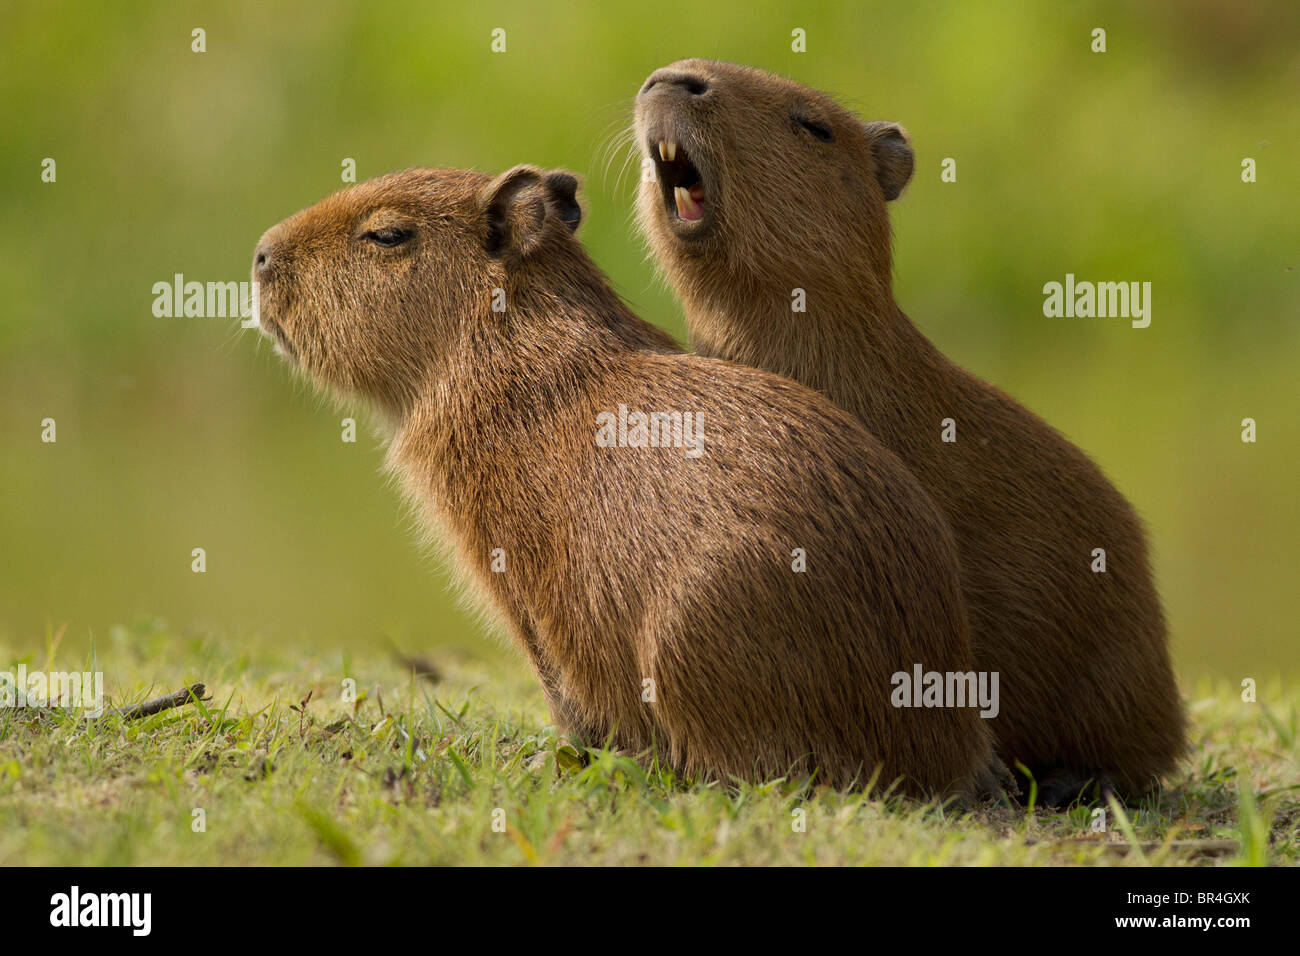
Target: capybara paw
{"type": "Point", "coordinates": [1062, 787]}
{"type": "Point", "coordinates": [995, 783]}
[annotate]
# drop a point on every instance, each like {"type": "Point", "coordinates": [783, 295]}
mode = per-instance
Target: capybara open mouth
{"type": "Point", "coordinates": [686, 199]}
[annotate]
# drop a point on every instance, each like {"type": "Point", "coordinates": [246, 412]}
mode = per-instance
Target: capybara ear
{"type": "Point", "coordinates": [562, 197]}
{"type": "Point", "coordinates": [519, 204]}
{"type": "Point", "coordinates": [513, 211]}
{"type": "Point", "coordinates": [893, 156]}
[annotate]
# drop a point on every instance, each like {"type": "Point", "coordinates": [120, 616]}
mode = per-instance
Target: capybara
{"type": "Point", "coordinates": [768, 194]}
{"type": "Point", "coordinates": [695, 556]}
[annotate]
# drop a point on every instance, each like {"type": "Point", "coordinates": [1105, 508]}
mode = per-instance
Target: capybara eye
{"type": "Point", "coordinates": [820, 130]}
{"type": "Point", "coordinates": [389, 237]}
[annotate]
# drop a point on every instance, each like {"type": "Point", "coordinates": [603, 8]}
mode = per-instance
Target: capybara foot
{"type": "Point", "coordinates": [1061, 787]}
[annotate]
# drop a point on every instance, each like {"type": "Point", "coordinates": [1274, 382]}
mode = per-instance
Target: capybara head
{"type": "Point", "coordinates": [758, 175]}
{"type": "Point", "coordinates": [369, 289]}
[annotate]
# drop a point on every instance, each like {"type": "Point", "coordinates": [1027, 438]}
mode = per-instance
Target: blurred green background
{"type": "Point", "coordinates": [183, 433]}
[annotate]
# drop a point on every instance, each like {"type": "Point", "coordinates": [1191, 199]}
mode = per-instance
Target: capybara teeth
{"type": "Point", "coordinates": [667, 150]}
{"type": "Point", "coordinates": [687, 208]}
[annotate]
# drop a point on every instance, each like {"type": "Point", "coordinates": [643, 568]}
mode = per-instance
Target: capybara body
{"type": "Point", "coordinates": [766, 187]}
{"type": "Point", "coordinates": [652, 589]}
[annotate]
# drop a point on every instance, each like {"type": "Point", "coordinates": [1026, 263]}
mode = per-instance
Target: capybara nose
{"type": "Point", "coordinates": [263, 259]}
{"type": "Point", "coordinates": [676, 81]}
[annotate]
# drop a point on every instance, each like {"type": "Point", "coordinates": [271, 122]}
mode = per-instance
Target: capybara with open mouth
{"type": "Point", "coordinates": [767, 194]}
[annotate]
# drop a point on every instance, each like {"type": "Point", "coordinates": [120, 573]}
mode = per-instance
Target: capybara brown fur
{"type": "Point", "coordinates": [650, 583]}
{"type": "Point", "coordinates": [765, 186]}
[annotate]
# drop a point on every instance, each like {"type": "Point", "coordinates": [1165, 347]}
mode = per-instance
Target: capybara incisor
{"type": "Point", "coordinates": [766, 187]}
{"type": "Point", "coordinates": [733, 581]}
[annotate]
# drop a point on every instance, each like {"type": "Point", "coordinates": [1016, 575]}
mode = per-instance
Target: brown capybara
{"type": "Point", "coordinates": [639, 517]}
{"type": "Point", "coordinates": [765, 187]}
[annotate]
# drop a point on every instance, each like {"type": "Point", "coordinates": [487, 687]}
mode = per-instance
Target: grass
{"type": "Point", "coordinates": [463, 769]}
